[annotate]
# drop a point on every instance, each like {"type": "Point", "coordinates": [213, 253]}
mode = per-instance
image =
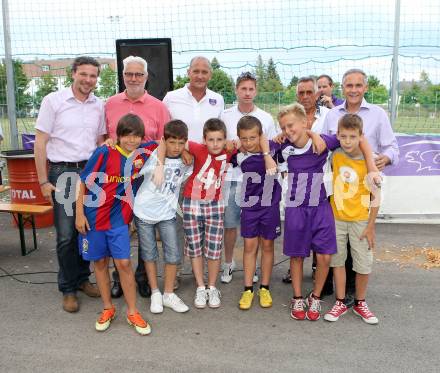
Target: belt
{"type": "Point", "coordinates": [79, 164]}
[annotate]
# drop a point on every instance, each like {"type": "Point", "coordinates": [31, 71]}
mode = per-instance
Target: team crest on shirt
{"type": "Point", "coordinates": [138, 163]}
{"type": "Point", "coordinates": [213, 101]}
{"type": "Point", "coordinates": [347, 174]}
{"type": "Point", "coordinates": [85, 245]}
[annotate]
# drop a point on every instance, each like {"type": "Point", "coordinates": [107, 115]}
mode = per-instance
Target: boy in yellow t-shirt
{"type": "Point", "coordinates": [355, 206]}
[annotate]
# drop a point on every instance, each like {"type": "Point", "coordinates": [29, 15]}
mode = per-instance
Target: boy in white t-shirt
{"type": "Point", "coordinates": [156, 207]}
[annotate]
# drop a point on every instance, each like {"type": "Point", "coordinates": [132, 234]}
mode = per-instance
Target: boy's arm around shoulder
{"type": "Point", "coordinates": [270, 164]}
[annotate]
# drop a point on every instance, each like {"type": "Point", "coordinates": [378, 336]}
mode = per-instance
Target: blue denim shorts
{"type": "Point", "coordinates": [147, 240]}
{"type": "Point", "coordinates": [232, 210]}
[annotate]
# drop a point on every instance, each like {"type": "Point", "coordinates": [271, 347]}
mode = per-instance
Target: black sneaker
{"type": "Point", "coordinates": [116, 290]}
{"type": "Point", "coordinates": [287, 279]}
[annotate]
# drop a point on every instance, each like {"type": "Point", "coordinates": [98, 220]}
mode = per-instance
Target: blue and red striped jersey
{"type": "Point", "coordinates": [111, 179]}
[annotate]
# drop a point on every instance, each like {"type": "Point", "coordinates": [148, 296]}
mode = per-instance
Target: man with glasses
{"type": "Point", "coordinates": [69, 127]}
{"type": "Point", "coordinates": [136, 100]}
{"type": "Point", "coordinates": [246, 91]}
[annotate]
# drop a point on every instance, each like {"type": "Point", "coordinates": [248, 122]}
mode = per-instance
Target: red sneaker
{"type": "Point", "coordinates": [297, 307]}
{"type": "Point", "coordinates": [336, 312]}
{"type": "Point", "coordinates": [314, 311]}
{"type": "Point", "coordinates": [363, 311]}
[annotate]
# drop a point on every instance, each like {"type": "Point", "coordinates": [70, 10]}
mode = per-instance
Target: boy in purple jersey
{"type": "Point", "coordinates": [309, 222]}
{"type": "Point", "coordinates": [103, 212]}
{"type": "Point", "coordinates": [260, 209]}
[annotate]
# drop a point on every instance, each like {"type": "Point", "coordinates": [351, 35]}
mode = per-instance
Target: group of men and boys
{"type": "Point", "coordinates": [188, 167]}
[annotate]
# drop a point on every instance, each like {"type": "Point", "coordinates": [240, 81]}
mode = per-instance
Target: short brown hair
{"type": "Point", "coordinates": [212, 125]}
{"type": "Point", "coordinates": [351, 122]}
{"type": "Point", "coordinates": [130, 124]}
{"type": "Point", "coordinates": [295, 109]}
{"type": "Point", "coordinates": [244, 76]}
{"type": "Point", "coordinates": [85, 60]}
{"type": "Point", "coordinates": [175, 129]}
{"type": "Point", "coordinates": [248, 122]}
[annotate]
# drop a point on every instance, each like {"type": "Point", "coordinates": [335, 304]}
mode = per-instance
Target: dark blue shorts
{"type": "Point", "coordinates": [114, 242]}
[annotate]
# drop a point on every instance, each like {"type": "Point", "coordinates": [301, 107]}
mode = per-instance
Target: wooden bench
{"type": "Point", "coordinates": [25, 213]}
{"type": "Point", "coordinates": [4, 188]}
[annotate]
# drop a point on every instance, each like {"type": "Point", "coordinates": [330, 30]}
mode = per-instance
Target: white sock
{"type": "Point", "coordinates": [201, 287]}
{"type": "Point", "coordinates": [212, 287]}
{"type": "Point", "coordinates": [155, 291]}
{"type": "Point", "coordinates": [167, 294]}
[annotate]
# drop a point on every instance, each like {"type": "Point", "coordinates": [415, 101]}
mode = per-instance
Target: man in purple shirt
{"type": "Point", "coordinates": [377, 127]}
{"type": "Point", "coordinates": [69, 127]}
{"type": "Point", "coordinates": [325, 88]}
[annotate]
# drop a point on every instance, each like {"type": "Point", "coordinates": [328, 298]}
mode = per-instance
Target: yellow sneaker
{"type": "Point", "coordinates": [265, 298]}
{"type": "Point", "coordinates": [246, 300]}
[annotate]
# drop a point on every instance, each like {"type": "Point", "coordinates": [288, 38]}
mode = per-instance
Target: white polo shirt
{"type": "Point", "coordinates": [231, 117]}
{"type": "Point", "coordinates": [182, 105]}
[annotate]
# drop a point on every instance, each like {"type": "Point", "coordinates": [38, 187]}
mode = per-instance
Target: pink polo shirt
{"type": "Point", "coordinates": [152, 111]}
{"type": "Point", "coordinates": [73, 126]}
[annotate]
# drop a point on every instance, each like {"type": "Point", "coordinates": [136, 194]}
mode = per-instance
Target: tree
{"type": "Point", "coordinates": [69, 80]}
{"type": "Point", "coordinates": [107, 82]}
{"type": "Point", "coordinates": [377, 93]}
{"type": "Point", "coordinates": [23, 101]}
{"type": "Point", "coordinates": [215, 64]}
{"type": "Point", "coordinates": [293, 82]}
{"type": "Point", "coordinates": [260, 72]}
{"type": "Point", "coordinates": [180, 81]}
{"type": "Point", "coordinates": [223, 84]}
{"type": "Point", "coordinates": [46, 84]}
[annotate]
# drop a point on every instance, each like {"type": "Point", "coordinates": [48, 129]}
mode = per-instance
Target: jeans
{"type": "Point", "coordinates": [147, 240]}
{"type": "Point", "coordinates": [73, 270]}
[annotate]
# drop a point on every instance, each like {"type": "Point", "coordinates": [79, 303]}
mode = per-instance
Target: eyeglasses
{"type": "Point", "coordinates": [246, 76]}
{"type": "Point", "coordinates": [131, 75]}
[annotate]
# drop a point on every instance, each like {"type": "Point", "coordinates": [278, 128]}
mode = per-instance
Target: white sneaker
{"type": "Point", "coordinates": [156, 305]}
{"type": "Point", "coordinates": [175, 303]}
{"type": "Point", "coordinates": [255, 278]}
{"type": "Point", "coordinates": [200, 298]}
{"type": "Point", "coordinates": [228, 268]}
{"type": "Point", "coordinates": [214, 297]}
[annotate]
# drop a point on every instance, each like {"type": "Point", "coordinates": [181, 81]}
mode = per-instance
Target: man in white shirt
{"type": "Point", "coordinates": [194, 104]}
{"type": "Point", "coordinates": [246, 91]}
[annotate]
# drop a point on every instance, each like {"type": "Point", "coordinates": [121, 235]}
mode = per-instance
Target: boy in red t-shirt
{"type": "Point", "coordinates": [203, 209]}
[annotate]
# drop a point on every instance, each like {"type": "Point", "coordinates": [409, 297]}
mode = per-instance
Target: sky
{"type": "Point", "coordinates": [302, 37]}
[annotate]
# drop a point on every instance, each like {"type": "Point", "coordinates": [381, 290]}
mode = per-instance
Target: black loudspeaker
{"type": "Point", "coordinates": [157, 53]}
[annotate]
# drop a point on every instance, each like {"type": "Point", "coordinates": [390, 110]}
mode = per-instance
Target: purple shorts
{"type": "Point", "coordinates": [263, 222]}
{"type": "Point", "coordinates": [309, 228]}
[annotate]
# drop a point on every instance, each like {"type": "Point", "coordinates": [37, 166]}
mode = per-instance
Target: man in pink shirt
{"type": "Point", "coordinates": [69, 127]}
{"type": "Point", "coordinates": [136, 100]}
